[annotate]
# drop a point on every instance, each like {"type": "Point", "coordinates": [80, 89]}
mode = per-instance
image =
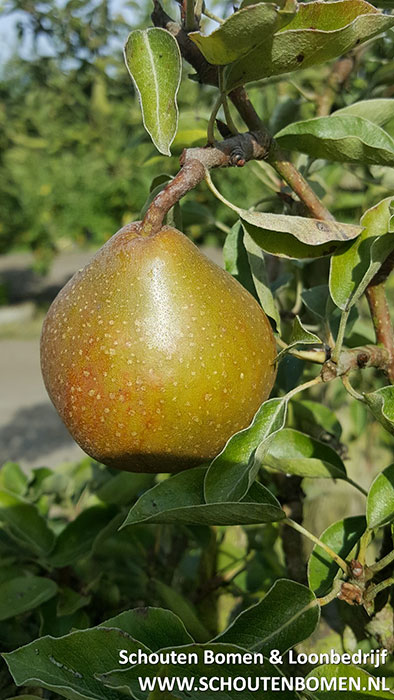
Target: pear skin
{"type": "Point", "coordinates": [153, 355]}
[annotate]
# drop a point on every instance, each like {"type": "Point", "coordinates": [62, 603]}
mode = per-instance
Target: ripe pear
{"type": "Point", "coordinates": [153, 355]}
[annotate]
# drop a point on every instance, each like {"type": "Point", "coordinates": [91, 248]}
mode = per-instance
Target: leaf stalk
{"type": "Point", "coordinates": [338, 560]}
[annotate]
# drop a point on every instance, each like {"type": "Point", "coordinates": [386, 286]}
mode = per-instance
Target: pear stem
{"type": "Point", "coordinates": [190, 175]}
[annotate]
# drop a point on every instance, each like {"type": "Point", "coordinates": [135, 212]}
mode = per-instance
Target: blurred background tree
{"type": "Point", "coordinates": [76, 163]}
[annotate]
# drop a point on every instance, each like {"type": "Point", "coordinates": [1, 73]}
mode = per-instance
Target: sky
{"type": "Point", "coordinates": [9, 38]}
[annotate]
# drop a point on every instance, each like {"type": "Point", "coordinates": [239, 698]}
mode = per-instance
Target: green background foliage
{"type": "Point", "coordinates": [91, 556]}
{"type": "Point", "coordinates": [76, 162]}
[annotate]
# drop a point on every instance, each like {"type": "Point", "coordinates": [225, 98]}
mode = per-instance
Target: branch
{"type": "Point", "coordinates": [234, 151]}
{"type": "Point", "coordinates": [291, 497]}
{"type": "Point", "coordinates": [380, 314]}
{"type": "Point", "coordinates": [207, 73]}
{"type": "Point", "coordinates": [361, 358]}
{"type": "Point", "coordinates": [356, 358]}
{"type": "Point", "coordinates": [277, 158]}
{"type": "Point", "coordinates": [299, 185]}
{"type": "Point", "coordinates": [339, 74]}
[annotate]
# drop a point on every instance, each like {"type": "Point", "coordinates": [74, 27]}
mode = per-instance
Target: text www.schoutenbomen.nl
{"type": "Point", "coordinates": [264, 683]}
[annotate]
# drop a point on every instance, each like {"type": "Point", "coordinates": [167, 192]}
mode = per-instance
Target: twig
{"type": "Point", "coordinates": [374, 590]}
{"type": "Point", "coordinates": [341, 335]}
{"type": "Point", "coordinates": [227, 112]}
{"type": "Point", "coordinates": [303, 387]}
{"type": "Point", "coordinates": [382, 563]}
{"type": "Point", "coordinates": [211, 122]}
{"type": "Point", "coordinates": [357, 486]}
{"type": "Point", "coordinates": [219, 195]}
{"type": "Point", "coordinates": [234, 151]}
{"type": "Point", "coordinates": [350, 390]}
{"type": "Point", "coordinates": [325, 600]}
{"type": "Point", "coordinates": [364, 544]}
{"type": "Point", "coordinates": [190, 23]}
{"type": "Point", "coordinates": [212, 16]}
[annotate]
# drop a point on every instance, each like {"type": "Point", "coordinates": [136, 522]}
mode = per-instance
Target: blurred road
{"type": "Point", "coordinates": [31, 432]}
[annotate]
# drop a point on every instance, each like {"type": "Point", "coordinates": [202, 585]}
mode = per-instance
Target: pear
{"type": "Point", "coordinates": [153, 355]}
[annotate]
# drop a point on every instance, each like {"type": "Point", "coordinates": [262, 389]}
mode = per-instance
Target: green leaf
{"type": "Point", "coordinates": [299, 336]}
{"type": "Point", "coordinates": [342, 537]}
{"type": "Point", "coordinates": [123, 488]}
{"type": "Point", "coordinates": [108, 531]}
{"type": "Point", "coordinates": [57, 626]}
{"type": "Point", "coordinates": [68, 665]}
{"type": "Point", "coordinates": [184, 610]}
{"type": "Point", "coordinates": [244, 260]}
{"type": "Point", "coordinates": [13, 479]}
{"type": "Point", "coordinates": [128, 678]}
{"type": "Point", "coordinates": [381, 403]}
{"type": "Point", "coordinates": [284, 5]}
{"type": "Point", "coordinates": [335, 672]}
{"type": "Point", "coordinates": [70, 601]}
{"type": "Point", "coordinates": [180, 499]}
{"type": "Point", "coordinates": [319, 32]}
{"type": "Point", "coordinates": [77, 538]}
{"type": "Point", "coordinates": [316, 419]}
{"type": "Point", "coordinates": [353, 268]}
{"type": "Point", "coordinates": [26, 523]}
{"type": "Point", "coordinates": [236, 259]}
{"type": "Point", "coordinates": [380, 501]}
{"type": "Point", "coordinates": [153, 60]}
{"type": "Point", "coordinates": [315, 299]}
{"type": "Point", "coordinates": [23, 697]}
{"type": "Point", "coordinates": [296, 236]}
{"type": "Point", "coordinates": [293, 452]}
{"type": "Point", "coordinates": [378, 111]}
{"type": "Point", "coordinates": [232, 472]}
{"type": "Point", "coordinates": [260, 279]}
{"type": "Point", "coordinates": [154, 627]}
{"type": "Point", "coordinates": [18, 595]}
{"type": "Point", "coordinates": [287, 615]}
{"type": "Point", "coordinates": [318, 301]}
{"type": "Point", "coordinates": [346, 138]}
{"type": "Point", "coordinates": [250, 26]}
{"type": "Point", "coordinates": [40, 482]}
{"type": "Point", "coordinates": [161, 179]}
